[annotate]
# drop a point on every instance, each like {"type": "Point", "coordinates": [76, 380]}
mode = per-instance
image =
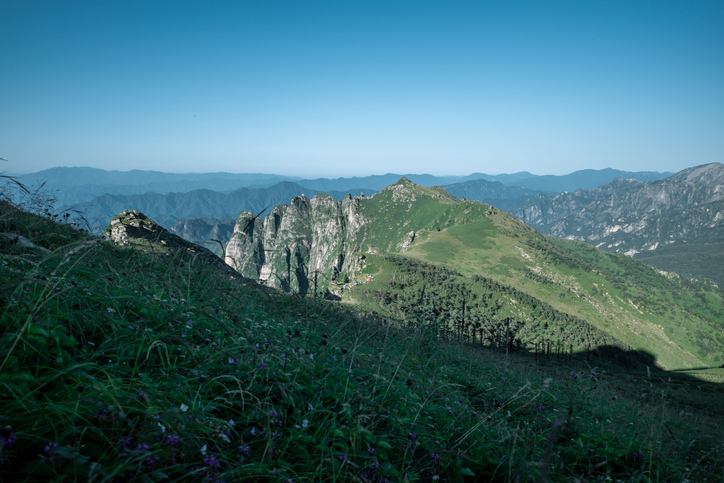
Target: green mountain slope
{"type": "Point", "coordinates": [639, 219]}
{"type": "Point", "coordinates": [616, 294]}
{"type": "Point", "coordinates": [676, 320]}
{"type": "Point", "coordinates": [145, 363]}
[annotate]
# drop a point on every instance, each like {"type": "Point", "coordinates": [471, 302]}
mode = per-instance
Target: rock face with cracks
{"type": "Point", "coordinates": [296, 244]}
{"type": "Point", "coordinates": [302, 246]}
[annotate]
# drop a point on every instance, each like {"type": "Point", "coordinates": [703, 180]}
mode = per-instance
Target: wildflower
{"type": "Point", "coordinates": [203, 450]}
{"type": "Point", "coordinates": [435, 457]}
{"type": "Point", "coordinates": [142, 447]}
{"type": "Point", "coordinates": [152, 461]}
{"type": "Point", "coordinates": [342, 457]}
{"type": "Point", "coordinates": [183, 408]}
{"type": "Point", "coordinates": [614, 398]}
{"type": "Point", "coordinates": [574, 375]}
{"type": "Point", "coordinates": [211, 461]}
{"type": "Point", "coordinates": [172, 439]}
{"type": "Point", "coordinates": [273, 414]}
{"type": "Point", "coordinates": [371, 451]}
{"type": "Point", "coordinates": [224, 437]}
{"type": "Point", "coordinates": [125, 442]}
{"type": "Point", "coordinates": [244, 450]}
{"type": "Point", "coordinates": [233, 361]}
{"type": "Point", "coordinates": [163, 428]}
{"type": "Point", "coordinates": [231, 422]}
{"type": "Point", "coordinates": [50, 452]}
{"type": "Point", "coordinates": [7, 437]}
{"type": "Point", "coordinates": [305, 423]}
{"type": "Point", "coordinates": [262, 365]}
{"type": "Point", "coordinates": [412, 436]}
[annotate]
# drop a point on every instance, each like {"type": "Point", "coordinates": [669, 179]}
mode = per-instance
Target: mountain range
{"type": "Point", "coordinates": [663, 222]}
{"type": "Point", "coordinates": [419, 255]}
{"type": "Point", "coordinates": [74, 185]}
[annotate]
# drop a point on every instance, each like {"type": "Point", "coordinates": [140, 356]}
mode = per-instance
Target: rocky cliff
{"type": "Point", "coordinates": [586, 214]}
{"type": "Point", "coordinates": [295, 242]}
{"type": "Point", "coordinates": [303, 245]}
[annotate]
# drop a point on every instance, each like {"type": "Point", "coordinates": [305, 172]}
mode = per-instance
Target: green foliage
{"type": "Point", "coordinates": [118, 365]}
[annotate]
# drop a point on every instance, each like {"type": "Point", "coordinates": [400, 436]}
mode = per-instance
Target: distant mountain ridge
{"type": "Point", "coordinates": [167, 208]}
{"type": "Point", "coordinates": [627, 216]}
{"type": "Point", "coordinates": [88, 183]}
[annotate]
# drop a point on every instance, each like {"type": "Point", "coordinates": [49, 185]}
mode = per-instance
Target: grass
{"type": "Point", "coordinates": [678, 320]}
{"type": "Point", "coordinates": [117, 365]}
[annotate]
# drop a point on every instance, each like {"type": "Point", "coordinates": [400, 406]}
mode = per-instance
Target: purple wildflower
{"type": "Point", "coordinates": [435, 457]}
{"type": "Point", "coordinates": [244, 450]}
{"type": "Point", "coordinates": [142, 447]}
{"type": "Point", "coordinates": [211, 461]}
{"type": "Point", "coordinates": [152, 461]}
{"type": "Point", "coordinates": [342, 457]}
{"type": "Point", "coordinates": [172, 439]}
{"type": "Point", "coordinates": [125, 442]}
{"type": "Point", "coordinates": [262, 365]}
{"type": "Point", "coordinates": [50, 452]}
{"type": "Point", "coordinates": [7, 438]}
{"type": "Point", "coordinates": [371, 451]}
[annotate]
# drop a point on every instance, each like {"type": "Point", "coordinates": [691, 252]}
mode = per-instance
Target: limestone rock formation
{"type": "Point", "coordinates": [302, 246]}
{"type": "Point", "coordinates": [296, 242]}
{"type": "Point", "coordinates": [134, 229]}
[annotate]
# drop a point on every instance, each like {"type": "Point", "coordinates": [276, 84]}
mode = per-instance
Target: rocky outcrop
{"type": "Point", "coordinates": [132, 228]}
{"type": "Point", "coordinates": [302, 246]}
{"type": "Point", "coordinates": [296, 242]}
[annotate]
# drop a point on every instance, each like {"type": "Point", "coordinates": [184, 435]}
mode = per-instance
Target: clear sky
{"type": "Point", "coordinates": [343, 88]}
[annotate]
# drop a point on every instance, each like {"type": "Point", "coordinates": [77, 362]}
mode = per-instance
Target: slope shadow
{"type": "Point", "coordinates": [636, 373]}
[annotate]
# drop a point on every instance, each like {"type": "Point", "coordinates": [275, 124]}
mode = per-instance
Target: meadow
{"type": "Point", "coordinates": [120, 364]}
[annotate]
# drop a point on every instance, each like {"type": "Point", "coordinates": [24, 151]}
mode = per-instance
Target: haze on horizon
{"type": "Point", "coordinates": [330, 89]}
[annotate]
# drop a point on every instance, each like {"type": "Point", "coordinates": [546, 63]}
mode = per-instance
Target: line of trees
{"type": "Point", "coordinates": [483, 312]}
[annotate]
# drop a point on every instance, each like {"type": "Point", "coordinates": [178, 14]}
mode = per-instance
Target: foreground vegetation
{"type": "Point", "coordinates": [118, 365]}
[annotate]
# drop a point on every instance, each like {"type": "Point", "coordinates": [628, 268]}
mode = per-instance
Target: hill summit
{"type": "Point", "coordinates": [308, 239]}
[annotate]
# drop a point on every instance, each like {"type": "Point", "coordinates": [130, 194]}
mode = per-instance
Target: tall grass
{"type": "Point", "coordinates": [119, 366]}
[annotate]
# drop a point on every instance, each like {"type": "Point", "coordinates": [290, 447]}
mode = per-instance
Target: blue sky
{"type": "Point", "coordinates": [343, 88]}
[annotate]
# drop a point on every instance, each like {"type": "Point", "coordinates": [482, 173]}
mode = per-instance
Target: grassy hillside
{"type": "Point", "coordinates": [679, 321]}
{"type": "Point", "coordinates": [118, 365]}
